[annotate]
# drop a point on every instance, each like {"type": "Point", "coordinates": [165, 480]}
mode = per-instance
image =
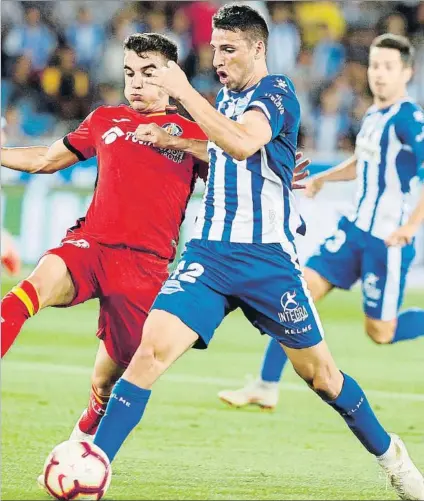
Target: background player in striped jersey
{"type": "Point", "coordinates": [119, 253]}
{"type": "Point", "coordinates": [375, 244]}
{"type": "Point", "coordinates": [242, 254]}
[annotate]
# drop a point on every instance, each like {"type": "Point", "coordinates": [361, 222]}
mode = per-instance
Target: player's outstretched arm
{"type": "Point", "coordinates": [239, 139]}
{"type": "Point", "coordinates": [38, 159]}
{"type": "Point", "coordinates": [344, 171]}
{"type": "Point", "coordinates": [159, 138]}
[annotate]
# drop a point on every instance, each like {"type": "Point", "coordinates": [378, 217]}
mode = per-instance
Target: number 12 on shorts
{"type": "Point", "coordinates": [182, 274]}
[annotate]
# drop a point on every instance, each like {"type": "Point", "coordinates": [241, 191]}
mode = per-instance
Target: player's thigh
{"type": "Point", "coordinates": [338, 258]}
{"type": "Point", "coordinates": [165, 338]}
{"type": "Point", "coordinates": [76, 261]}
{"type": "Point", "coordinates": [105, 372]}
{"type": "Point", "coordinates": [317, 367]}
{"type": "Point", "coordinates": [384, 271]}
{"type": "Point", "coordinates": [318, 286]}
{"type": "Point", "coordinates": [192, 293]}
{"type": "Point", "coordinates": [52, 281]}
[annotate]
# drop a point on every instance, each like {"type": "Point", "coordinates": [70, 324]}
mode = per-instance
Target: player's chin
{"type": "Point", "coordinates": [138, 105]}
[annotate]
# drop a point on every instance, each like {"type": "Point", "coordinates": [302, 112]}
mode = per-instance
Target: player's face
{"type": "Point", "coordinates": [141, 95]}
{"type": "Point", "coordinates": [387, 74]}
{"type": "Point", "coordinates": [234, 58]}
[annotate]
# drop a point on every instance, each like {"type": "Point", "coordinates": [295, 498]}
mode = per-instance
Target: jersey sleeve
{"type": "Point", "coordinates": [276, 98]}
{"type": "Point", "coordinates": [81, 141]}
{"type": "Point", "coordinates": [193, 131]}
{"type": "Point", "coordinates": [410, 130]}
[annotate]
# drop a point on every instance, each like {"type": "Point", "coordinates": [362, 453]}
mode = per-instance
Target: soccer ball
{"type": "Point", "coordinates": [76, 469]}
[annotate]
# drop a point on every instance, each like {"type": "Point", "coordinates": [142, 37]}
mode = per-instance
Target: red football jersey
{"type": "Point", "coordinates": [141, 192]}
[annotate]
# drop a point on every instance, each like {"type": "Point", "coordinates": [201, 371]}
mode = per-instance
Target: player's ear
{"type": "Point", "coordinates": [259, 49]}
{"type": "Point", "coordinates": [409, 71]}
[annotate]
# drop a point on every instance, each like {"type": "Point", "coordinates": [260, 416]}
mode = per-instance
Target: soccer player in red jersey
{"type": "Point", "coordinates": [120, 251]}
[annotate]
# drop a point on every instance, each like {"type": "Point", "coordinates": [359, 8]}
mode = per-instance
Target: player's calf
{"type": "Point", "coordinates": [49, 284]}
{"type": "Point", "coordinates": [105, 374]}
{"type": "Point", "coordinates": [317, 368]}
{"type": "Point", "coordinates": [165, 338]}
{"type": "Point", "coordinates": [21, 303]}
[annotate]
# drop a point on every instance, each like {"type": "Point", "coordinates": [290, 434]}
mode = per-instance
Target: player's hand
{"type": "Point", "coordinates": [402, 236]}
{"type": "Point", "coordinates": [172, 79]}
{"type": "Point", "coordinates": [153, 135]}
{"type": "Point", "coordinates": [313, 186]}
{"type": "Point", "coordinates": [300, 171]}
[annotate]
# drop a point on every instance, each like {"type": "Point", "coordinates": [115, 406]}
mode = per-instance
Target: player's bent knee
{"type": "Point", "coordinates": [103, 383]}
{"type": "Point", "coordinates": [325, 380]}
{"type": "Point", "coordinates": [317, 285]}
{"type": "Point", "coordinates": [327, 384]}
{"type": "Point", "coordinates": [380, 331]}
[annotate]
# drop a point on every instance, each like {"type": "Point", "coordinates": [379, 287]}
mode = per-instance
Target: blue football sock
{"type": "Point", "coordinates": [123, 413]}
{"type": "Point", "coordinates": [353, 406]}
{"type": "Point", "coordinates": [275, 359]}
{"type": "Point", "coordinates": [410, 325]}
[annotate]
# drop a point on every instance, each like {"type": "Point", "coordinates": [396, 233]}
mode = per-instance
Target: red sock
{"type": "Point", "coordinates": [90, 420]}
{"type": "Point", "coordinates": [16, 307]}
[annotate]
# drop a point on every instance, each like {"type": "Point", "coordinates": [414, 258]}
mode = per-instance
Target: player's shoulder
{"type": "Point", "coordinates": [277, 83]}
{"type": "Point", "coordinates": [111, 112]}
{"type": "Point", "coordinates": [410, 109]}
{"type": "Point", "coordinates": [181, 120]}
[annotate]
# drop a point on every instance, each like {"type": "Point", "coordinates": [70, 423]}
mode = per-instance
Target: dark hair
{"type": "Point", "coordinates": [235, 17]}
{"type": "Point", "coordinates": [398, 42]}
{"type": "Point", "coordinates": [141, 43]}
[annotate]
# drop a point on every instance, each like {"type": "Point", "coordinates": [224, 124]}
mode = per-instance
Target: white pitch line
{"type": "Point", "coordinates": [31, 367]}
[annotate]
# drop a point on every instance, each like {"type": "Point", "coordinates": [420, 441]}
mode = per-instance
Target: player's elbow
{"type": "Point", "coordinates": [43, 165]}
{"type": "Point", "coordinates": [244, 150]}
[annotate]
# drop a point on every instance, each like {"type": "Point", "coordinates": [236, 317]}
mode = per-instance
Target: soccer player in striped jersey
{"type": "Point", "coordinates": [375, 243]}
{"type": "Point", "coordinates": [243, 253]}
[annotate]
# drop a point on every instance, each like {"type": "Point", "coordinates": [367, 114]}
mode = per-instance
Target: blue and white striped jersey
{"type": "Point", "coordinates": [389, 151]}
{"type": "Point", "coordinates": [251, 201]}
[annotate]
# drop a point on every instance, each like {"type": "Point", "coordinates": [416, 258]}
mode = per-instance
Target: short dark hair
{"type": "Point", "coordinates": [141, 43]}
{"type": "Point", "coordinates": [234, 17]}
{"type": "Point", "coordinates": [398, 42]}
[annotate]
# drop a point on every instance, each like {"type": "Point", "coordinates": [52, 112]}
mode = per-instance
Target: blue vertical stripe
{"type": "Point", "coordinates": [382, 166]}
{"type": "Point", "coordinates": [286, 198]}
{"type": "Point", "coordinates": [209, 201]}
{"type": "Point", "coordinates": [231, 196]}
{"type": "Point", "coordinates": [364, 189]}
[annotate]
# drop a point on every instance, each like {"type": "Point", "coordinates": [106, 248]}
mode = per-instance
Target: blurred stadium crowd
{"type": "Point", "coordinates": [62, 59]}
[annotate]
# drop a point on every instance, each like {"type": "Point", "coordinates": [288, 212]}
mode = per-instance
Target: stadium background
{"type": "Point", "coordinates": [62, 59]}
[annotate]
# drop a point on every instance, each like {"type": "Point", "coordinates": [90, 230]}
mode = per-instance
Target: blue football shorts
{"type": "Point", "coordinates": [351, 254]}
{"type": "Point", "coordinates": [265, 281]}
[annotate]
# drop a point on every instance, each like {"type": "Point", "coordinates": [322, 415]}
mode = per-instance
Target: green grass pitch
{"type": "Point", "coordinates": [190, 445]}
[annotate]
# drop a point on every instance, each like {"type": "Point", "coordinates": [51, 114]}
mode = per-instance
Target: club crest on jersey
{"type": "Point", "coordinates": [370, 288]}
{"type": "Point", "coordinates": [281, 84]}
{"type": "Point", "coordinates": [83, 244]}
{"type": "Point", "coordinates": [172, 129]}
{"type": "Point", "coordinates": [292, 311]}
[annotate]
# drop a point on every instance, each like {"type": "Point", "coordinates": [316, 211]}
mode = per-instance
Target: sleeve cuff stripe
{"type": "Point", "coordinates": [71, 148]}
